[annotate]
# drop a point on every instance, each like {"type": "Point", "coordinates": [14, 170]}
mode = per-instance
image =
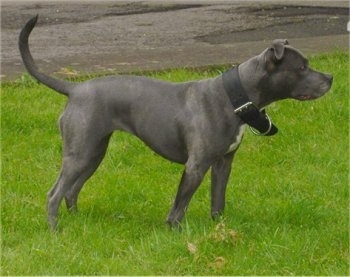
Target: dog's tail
{"type": "Point", "coordinates": [56, 84]}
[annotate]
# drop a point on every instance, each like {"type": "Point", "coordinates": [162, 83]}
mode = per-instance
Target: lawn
{"type": "Point", "coordinates": [287, 199]}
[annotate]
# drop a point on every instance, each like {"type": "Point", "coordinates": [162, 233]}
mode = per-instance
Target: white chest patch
{"type": "Point", "coordinates": [238, 139]}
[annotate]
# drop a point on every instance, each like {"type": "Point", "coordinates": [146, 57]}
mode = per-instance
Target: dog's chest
{"type": "Point", "coordinates": [237, 140]}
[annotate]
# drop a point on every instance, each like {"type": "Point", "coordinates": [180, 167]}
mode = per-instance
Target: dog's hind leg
{"type": "Point", "coordinates": [68, 176]}
{"type": "Point", "coordinates": [77, 166]}
{"type": "Point", "coordinates": [71, 197]}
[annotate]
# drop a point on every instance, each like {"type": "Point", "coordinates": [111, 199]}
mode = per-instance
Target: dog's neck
{"type": "Point", "coordinates": [243, 105]}
{"type": "Point", "coordinates": [251, 79]}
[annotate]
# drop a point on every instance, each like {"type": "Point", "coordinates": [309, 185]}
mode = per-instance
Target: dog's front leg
{"type": "Point", "coordinates": [220, 173]}
{"type": "Point", "coordinates": [190, 181]}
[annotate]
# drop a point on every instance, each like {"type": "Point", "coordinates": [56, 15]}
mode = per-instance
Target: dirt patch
{"type": "Point", "coordinates": [59, 13]}
{"type": "Point", "coordinates": [108, 36]}
{"type": "Point", "coordinates": [282, 21]}
{"type": "Point", "coordinates": [142, 8]}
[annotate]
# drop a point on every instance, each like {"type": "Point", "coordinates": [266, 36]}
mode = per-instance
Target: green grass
{"type": "Point", "coordinates": [287, 200]}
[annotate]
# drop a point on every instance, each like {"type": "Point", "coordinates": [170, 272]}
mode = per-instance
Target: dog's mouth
{"type": "Point", "coordinates": [305, 97]}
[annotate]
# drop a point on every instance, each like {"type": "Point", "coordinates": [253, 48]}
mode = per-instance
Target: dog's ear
{"type": "Point", "coordinates": [275, 53]}
{"type": "Point", "coordinates": [278, 48]}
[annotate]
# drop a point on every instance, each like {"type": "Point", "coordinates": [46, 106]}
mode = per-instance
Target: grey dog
{"type": "Point", "coordinates": [199, 124]}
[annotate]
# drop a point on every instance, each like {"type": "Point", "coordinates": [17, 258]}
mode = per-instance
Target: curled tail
{"type": "Point", "coordinates": [56, 84]}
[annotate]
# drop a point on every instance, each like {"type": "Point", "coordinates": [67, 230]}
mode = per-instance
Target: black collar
{"type": "Point", "coordinates": [243, 107]}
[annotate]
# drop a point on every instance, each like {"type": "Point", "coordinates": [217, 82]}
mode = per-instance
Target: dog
{"type": "Point", "coordinates": [199, 124]}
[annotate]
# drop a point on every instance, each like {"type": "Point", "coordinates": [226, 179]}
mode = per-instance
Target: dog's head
{"type": "Point", "coordinates": [288, 75]}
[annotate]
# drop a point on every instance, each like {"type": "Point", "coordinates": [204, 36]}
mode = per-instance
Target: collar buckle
{"type": "Point", "coordinates": [243, 107]}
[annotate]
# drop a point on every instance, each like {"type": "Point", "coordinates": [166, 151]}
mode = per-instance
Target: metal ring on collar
{"type": "Point", "coordinates": [255, 132]}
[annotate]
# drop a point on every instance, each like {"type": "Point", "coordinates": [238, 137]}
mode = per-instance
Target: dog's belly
{"type": "Point", "coordinates": [168, 148]}
{"type": "Point", "coordinates": [238, 140]}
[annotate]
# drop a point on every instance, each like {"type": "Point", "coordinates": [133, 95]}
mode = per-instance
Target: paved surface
{"type": "Point", "coordinates": [113, 36]}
